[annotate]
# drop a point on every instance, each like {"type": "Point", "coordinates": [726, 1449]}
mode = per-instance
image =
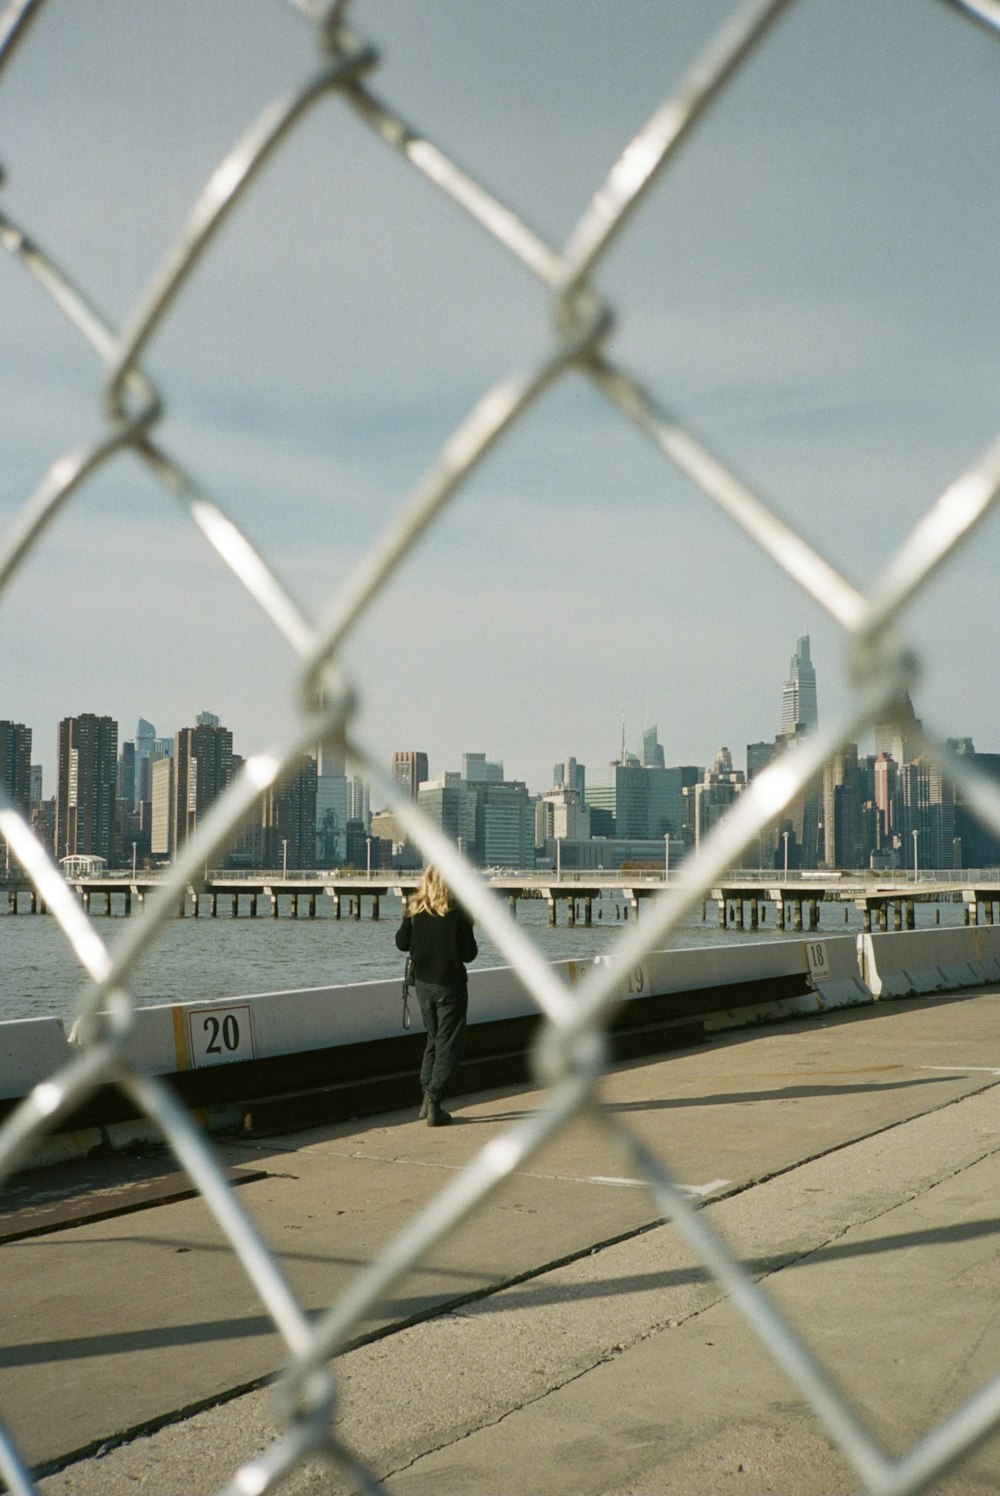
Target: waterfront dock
{"type": "Point", "coordinates": [885, 900]}
{"type": "Point", "coordinates": [565, 1340]}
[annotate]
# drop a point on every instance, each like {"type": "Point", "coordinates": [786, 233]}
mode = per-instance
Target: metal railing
{"type": "Point", "coordinates": [571, 1051]}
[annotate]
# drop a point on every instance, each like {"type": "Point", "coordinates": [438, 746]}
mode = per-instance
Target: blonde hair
{"type": "Point", "coordinates": [433, 895]}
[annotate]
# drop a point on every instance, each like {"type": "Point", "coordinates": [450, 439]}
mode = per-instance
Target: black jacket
{"type": "Point", "coordinates": [440, 944]}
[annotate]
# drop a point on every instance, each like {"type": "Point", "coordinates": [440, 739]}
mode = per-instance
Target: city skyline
{"type": "Point", "coordinates": [799, 686]}
{"type": "Point", "coordinates": [868, 810]}
{"type": "Point", "coordinates": [829, 329]}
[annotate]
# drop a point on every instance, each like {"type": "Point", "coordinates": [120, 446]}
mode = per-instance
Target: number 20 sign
{"type": "Point", "coordinates": [220, 1036]}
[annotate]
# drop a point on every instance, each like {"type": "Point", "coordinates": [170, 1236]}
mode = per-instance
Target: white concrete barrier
{"type": "Point", "coordinates": [662, 972]}
{"type": "Point", "coordinates": [736, 966]}
{"type": "Point", "coordinates": [188, 1036]}
{"type": "Point", "coordinates": [834, 969]}
{"type": "Point", "coordinates": [841, 971]}
{"type": "Point", "coordinates": [987, 939]}
{"type": "Point", "coordinates": [31, 1050]}
{"type": "Point", "coordinates": [916, 962]}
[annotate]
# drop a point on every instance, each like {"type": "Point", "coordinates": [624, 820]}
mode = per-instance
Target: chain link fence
{"type": "Point", "coordinates": [571, 1050]}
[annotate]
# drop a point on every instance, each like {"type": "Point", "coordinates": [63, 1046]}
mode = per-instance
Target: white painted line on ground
{"type": "Point", "coordinates": [705, 1189]}
{"type": "Point", "coordinates": [688, 1189]}
{"type": "Point", "coordinates": [961, 1069]}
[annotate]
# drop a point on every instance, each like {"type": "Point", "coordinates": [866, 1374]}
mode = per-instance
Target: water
{"type": "Point", "coordinates": [198, 959]}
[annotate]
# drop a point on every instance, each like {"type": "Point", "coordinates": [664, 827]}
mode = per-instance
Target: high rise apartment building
{"type": "Point", "coordinates": [15, 764]}
{"type": "Point", "coordinates": [203, 768]}
{"type": "Point", "coordinates": [15, 773]}
{"type": "Point", "coordinates": [163, 816]}
{"type": "Point", "coordinates": [87, 788]}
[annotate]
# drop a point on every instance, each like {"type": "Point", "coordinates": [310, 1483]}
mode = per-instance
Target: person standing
{"type": "Point", "coordinates": [439, 937]}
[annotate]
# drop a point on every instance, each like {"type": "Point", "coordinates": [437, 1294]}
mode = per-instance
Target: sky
{"type": "Point", "coordinates": [811, 288]}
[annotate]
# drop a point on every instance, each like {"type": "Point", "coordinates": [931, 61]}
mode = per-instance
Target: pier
{"type": "Point", "coordinates": [885, 901]}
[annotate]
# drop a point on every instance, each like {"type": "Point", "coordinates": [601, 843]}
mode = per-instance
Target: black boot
{"type": "Point", "coordinates": [436, 1115]}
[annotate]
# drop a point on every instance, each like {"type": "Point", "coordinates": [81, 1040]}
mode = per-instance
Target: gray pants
{"type": "Point", "coordinates": [444, 1011]}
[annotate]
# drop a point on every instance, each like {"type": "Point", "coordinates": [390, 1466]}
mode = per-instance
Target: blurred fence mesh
{"type": "Point", "coordinates": [570, 1053]}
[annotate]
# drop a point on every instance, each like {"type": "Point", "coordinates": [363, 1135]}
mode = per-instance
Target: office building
{"type": "Point", "coordinates": [843, 834]}
{"type": "Point", "coordinates": [925, 816]}
{"type": "Point", "coordinates": [799, 712]}
{"type": "Point", "coordinates": [628, 799]}
{"type": "Point", "coordinates": [569, 775]}
{"type": "Point", "coordinates": [898, 737]}
{"type": "Point", "coordinates": [666, 803]}
{"type": "Point", "coordinates": [719, 788]}
{"type": "Point", "coordinates": [145, 742]}
{"type": "Point", "coordinates": [331, 805]}
{"type": "Point", "coordinates": [652, 752]}
{"type": "Point", "coordinates": [476, 769]}
{"type": "Point", "coordinates": [759, 755]}
{"type": "Point", "coordinates": [561, 816]}
{"type": "Point", "coordinates": [976, 845]}
{"type": "Point", "coordinates": [621, 792]}
{"type": "Point", "coordinates": [505, 826]}
{"type": "Point", "coordinates": [447, 801]}
{"type": "Point", "coordinates": [409, 770]}
{"type": "Point", "coordinates": [288, 819]}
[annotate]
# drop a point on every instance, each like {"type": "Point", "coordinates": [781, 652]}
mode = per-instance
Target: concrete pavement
{"type": "Point", "coordinates": [566, 1339]}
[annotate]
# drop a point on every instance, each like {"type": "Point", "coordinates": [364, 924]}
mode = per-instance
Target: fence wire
{"type": "Point", "coordinates": [570, 1053]}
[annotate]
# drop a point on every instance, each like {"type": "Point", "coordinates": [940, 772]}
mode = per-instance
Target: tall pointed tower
{"type": "Point", "coordinates": [798, 701]}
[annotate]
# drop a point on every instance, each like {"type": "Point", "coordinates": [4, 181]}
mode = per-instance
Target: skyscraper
{"type": "Point", "coordinates": [331, 805]}
{"type": "Point", "coordinates": [15, 771]}
{"type": "Point", "coordinates": [288, 819]}
{"type": "Point", "coordinates": [652, 750]}
{"type": "Point", "coordinates": [203, 768]}
{"type": "Point", "coordinates": [798, 701]}
{"type": "Point", "coordinates": [88, 786]}
{"type": "Point", "coordinates": [15, 764]}
{"type": "Point", "coordinates": [409, 771]}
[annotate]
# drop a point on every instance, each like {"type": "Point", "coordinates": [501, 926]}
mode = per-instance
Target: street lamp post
{"type": "Point", "coordinates": [785, 838]}
{"type": "Point", "coordinates": [133, 862]}
{"type": "Point", "coordinates": [284, 856]}
{"type": "Point", "coordinates": [916, 833]}
{"type": "Point", "coordinates": [558, 858]}
{"type": "Point", "coordinates": [666, 858]}
{"type": "Point", "coordinates": [368, 849]}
